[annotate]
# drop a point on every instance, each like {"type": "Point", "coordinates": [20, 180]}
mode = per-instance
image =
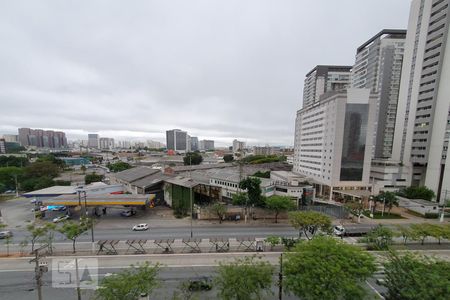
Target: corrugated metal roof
{"type": "Point", "coordinates": [135, 174]}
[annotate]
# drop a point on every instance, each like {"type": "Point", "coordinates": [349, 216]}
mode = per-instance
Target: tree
{"type": "Point", "coordinates": [36, 233]}
{"type": "Point", "coordinates": [219, 209]}
{"type": "Point", "coordinates": [413, 277]}
{"type": "Point", "coordinates": [228, 158]}
{"type": "Point", "coordinates": [119, 166]}
{"type": "Point", "coordinates": [417, 192]}
{"type": "Point", "coordinates": [406, 233]}
{"type": "Point", "coordinates": [129, 283]}
{"type": "Point", "coordinates": [389, 199]}
{"type": "Point", "coordinates": [72, 230]}
{"type": "Point", "coordinates": [12, 161]}
{"type": "Point", "coordinates": [9, 175]}
{"type": "Point", "coordinates": [244, 279]}
{"type": "Point", "coordinates": [41, 169]}
{"type": "Point", "coordinates": [240, 199]}
{"type": "Point", "coordinates": [309, 222]}
{"type": "Point", "coordinates": [83, 169]}
{"type": "Point", "coordinates": [421, 231]}
{"type": "Point", "coordinates": [273, 241]}
{"type": "Point", "coordinates": [379, 238]}
{"type": "Point", "coordinates": [279, 204]}
{"type": "Point", "coordinates": [89, 178]}
{"type": "Point", "coordinates": [262, 174]}
{"type": "Point", "coordinates": [192, 158]}
{"type": "Point", "coordinates": [252, 185]}
{"type": "Point", "coordinates": [355, 208]}
{"type": "Point", "coordinates": [327, 269]}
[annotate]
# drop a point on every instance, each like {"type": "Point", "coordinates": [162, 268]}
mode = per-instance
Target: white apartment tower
{"type": "Point", "coordinates": [422, 133]}
{"type": "Point", "coordinates": [333, 140]}
{"type": "Point", "coordinates": [378, 67]}
{"type": "Point", "coordinates": [324, 79]}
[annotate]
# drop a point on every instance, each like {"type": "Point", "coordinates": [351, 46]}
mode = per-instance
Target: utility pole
{"type": "Point", "coordinates": [17, 185]}
{"type": "Point", "coordinates": [77, 279]}
{"type": "Point", "coordinates": [39, 269]}
{"type": "Point", "coordinates": [444, 203]}
{"type": "Point", "coordinates": [190, 191]}
{"type": "Point", "coordinates": [280, 279]}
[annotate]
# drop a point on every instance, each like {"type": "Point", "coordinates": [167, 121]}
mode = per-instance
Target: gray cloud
{"type": "Point", "coordinates": [219, 69]}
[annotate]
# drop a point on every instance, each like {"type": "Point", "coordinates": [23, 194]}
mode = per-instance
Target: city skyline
{"type": "Point", "coordinates": [214, 67]}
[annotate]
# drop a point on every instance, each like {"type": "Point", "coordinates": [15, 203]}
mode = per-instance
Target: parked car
{"type": "Point", "coordinates": [127, 213]}
{"type": "Point", "coordinates": [57, 207]}
{"type": "Point", "coordinates": [140, 227]}
{"type": "Point", "coordinates": [200, 284]}
{"type": "Point", "coordinates": [352, 230]}
{"type": "Point", "coordinates": [5, 234]}
{"type": "Point", "coordinates": [60, 218]}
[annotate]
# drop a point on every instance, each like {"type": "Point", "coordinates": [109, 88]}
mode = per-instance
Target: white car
{"type": "Point", "coordinates": [140, 227]}
{"type": "Point", "coordinates": [339, 230]}
{"type": "Point", "coordinates": [61, 218]}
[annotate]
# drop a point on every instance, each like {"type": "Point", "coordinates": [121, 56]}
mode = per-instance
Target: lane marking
{"type": "Point", "coordinates": [375, 290]}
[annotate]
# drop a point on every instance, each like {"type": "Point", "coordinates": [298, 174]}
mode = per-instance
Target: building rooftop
{"type": "Point", "coordinates": [135, 174]}
{"type": "Point", "coordinates": [52, 191]}
{"type": "Point", "coordinates": [182, 181]}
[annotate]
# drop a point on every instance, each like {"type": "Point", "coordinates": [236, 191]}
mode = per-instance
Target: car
{"type": "Point", "coordinates": [60, 218]}
{"type": "Point", "coordinates": [339, 230]}
{"type": "Point", "coordinates": [200, 284]}
{"type": "Point", "coordinates": [5, 234]}
{"type": "Point", "coordinates": [127, 213]}
{"type": "Point", "coordinates": [57, 207]}
{"type": "Point", "coordinates": [140, 227]}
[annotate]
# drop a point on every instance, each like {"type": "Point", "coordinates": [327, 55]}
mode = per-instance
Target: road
{"type": "Point", "coordinates": [17, 275]}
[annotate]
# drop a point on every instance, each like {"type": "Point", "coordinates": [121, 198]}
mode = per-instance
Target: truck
{"type": "Point", "coordinates": [352, 230]}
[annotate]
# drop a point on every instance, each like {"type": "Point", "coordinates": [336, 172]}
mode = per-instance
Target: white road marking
{"type": "Point", "coordinates": [375, 290]}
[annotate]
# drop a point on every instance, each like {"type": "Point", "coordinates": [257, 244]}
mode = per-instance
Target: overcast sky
{"type": "Point", "coordinates": [218, 69]}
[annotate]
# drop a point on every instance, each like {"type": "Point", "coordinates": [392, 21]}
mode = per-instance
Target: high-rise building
{"type": "Point", "coordinates": [93, 140]}
{"type": "Point", "coordinates": [238, 146]}
{"type": "Point", "coordinates": [266, 150]}
{"type": "Point", "coordinates": [206, 145]}
{"type": "Point", "coordinates": [422, 134]}
{"type": "Point", "coordinates": [106, 143]}
{"type": "Point", "coordinates": [378, 67]}
{"type": "Point", "coordinates": [324, 79]}
{"type": "Point", "coordinates": [177, 140]}
{"type": "Point", "coordinates": [194, 143]}
{"type": "Point", "coordinates": [42, 138]}
{"type": "Point", "coordinates": [333, 140]}
{"type": "Point", "coordinates": [2, 146]}
{"type": "Point", "coordinates": [11, 138]}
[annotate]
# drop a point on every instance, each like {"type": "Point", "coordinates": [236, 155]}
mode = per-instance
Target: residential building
{"type": "Point", "coordinates": [263, 150]}
{"type": "Point", "coordinates": [40, 138]}
{"type": "Point", "coordinates": [206, 145]}
{"type": "Point", "coordinates": [194, 143]}
{"type": "Point", "coordinates": [106, 143]}
{"type": "Point", "coordinates": [155, 145]}
{"type": "Point", "coordinates": [2, 146]}
{"type": "Point", "coordinates": [378, 67]}
{"type": "Point", "coordinates": [324, 79]}
{"type": "Point", "coordinates": [421, 139]}
{"type": "Point", "coordinates": [93, 140]}
{"type": "Point", "coordinates": [177, 140]}
{"type": "Point", "coordinates": [238, 146]}
{"type": "Point", "coordinates": [333, 141]}
{"type": "Point", "coordinates": [11, 138]}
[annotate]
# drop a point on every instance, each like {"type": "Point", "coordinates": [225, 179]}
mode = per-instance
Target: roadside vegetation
{"type": "Point", "coordinates": [262, 159]}
{"type": "Point", "coordinates": [118, 166]}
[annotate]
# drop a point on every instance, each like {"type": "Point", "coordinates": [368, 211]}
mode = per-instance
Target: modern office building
{"type": "Point", "coordinates": [93, 140]}
{"type": "Point", "coordinates": [106, 143]}
{"type": "Point", "coordinates": [378, 67]}
{"type": "Point", "coordinates": [11, 138]}
{"type": "Point", "coordinates": [421, 139]}
{"type": "Point", "coordinates": [194, 143]}
{"type": "Point", "coordinates": [238, 146]}
{"type": "Point", "coordinates": [333, 141]}
{"type": "Point", "coordinates": [2, 146]}
{"type": "Point", "coordinates": [40, 138]}
{"type": "Point", "coordinates": [177, 140]}
{"type": "Point", "coordinates": [206, 145]}
{"type": "Point", "coordinates": [324, 79]}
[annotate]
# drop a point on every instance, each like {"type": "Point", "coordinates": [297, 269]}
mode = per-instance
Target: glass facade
{"type": "Point", "coordinates": [354, 142]}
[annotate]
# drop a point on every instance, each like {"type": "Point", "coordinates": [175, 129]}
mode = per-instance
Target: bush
{"type": "Point", "coordinates": [379, 238]}
{"type": "Point", "coordinates": [289, 243]}
{"type": "Point", "coordinates": [273, 241]}
{"type": "Point", "coordinates": [93, 178]}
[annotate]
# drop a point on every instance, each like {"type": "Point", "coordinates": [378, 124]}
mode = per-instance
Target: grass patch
{"type": "Point", "coordinates": [377, 215]}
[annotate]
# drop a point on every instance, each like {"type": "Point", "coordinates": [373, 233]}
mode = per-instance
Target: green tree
{"type": "Point", "coordinates": [119, 166]}
{"type": "Point", "coordinates": [228, 158]}
{"type": "Point", "coordinates": [327, 269]}
{"type": "Point", "coordinates": [130, 283]}
{"type": "Point", "coordinates": [356, 208]}
{"type": "Point", "coordinates": [8, 176]}
{"type": "Point", "coordinates": [240, 199]}
{"type": "Point", "coordinates": [405, 233]}
{"type": "Point", "coordinates": [219, 209]}
{"type": "Point", "coordinates": [83, 169]}
{"type": "Point", "coordinates": [379, 238]}
{"type": "Point", "coordinates": [36, 183]}
{"type": "Point", "coordinates": [279, 204]}
{"type": "Point", "coordinates": [41, 169]}
{"type": "Point", "coordinates": [413, 277]}
{"type": "Point", "coordinates": [37, 232]}
{"type": "Point", "coordinates": [273, 241]}
{"type": "Point", "coordinates": [309, 222]}
{"type": "Point", "coordinates": [12, 161]}
{"type": "Point", "coordinates": [262, 174]}
{"type": "Point", "coordinates": [252, 186]}
{"type": "Point", "coordinates": [72, 230]}
{"type": "Point", "coordinates": [421, 231]}
{"type": "Point", "coordinates": [192, 158]}
{"type": "Point", "coordinates": [388, 199]}
{"type": "Point", "coordinates": [244, 279]}
{"type": "Point", "coordinates": [89, 178]}
{"type": "Point", "coordinates": [418, 192]}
